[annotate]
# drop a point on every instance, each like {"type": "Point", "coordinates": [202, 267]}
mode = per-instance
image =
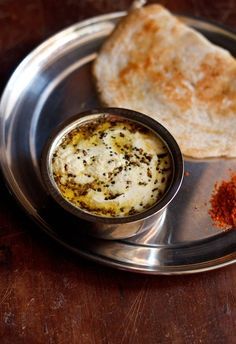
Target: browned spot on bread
{"type": "Point", "coordinates": [169, 79]}
{"type": "Point", "coordinates": [129, 68]}
{"type": "Point", "coordinates": [150, 26]}
{"type": "Point", "coordinates": [213, 88]}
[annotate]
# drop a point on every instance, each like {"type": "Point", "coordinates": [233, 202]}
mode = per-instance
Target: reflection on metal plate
{"type": "Point", "coordinates": [55, 82]}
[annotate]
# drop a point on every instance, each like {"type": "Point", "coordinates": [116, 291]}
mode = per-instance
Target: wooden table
{"type": "Point", "coordinates": [47, 295]}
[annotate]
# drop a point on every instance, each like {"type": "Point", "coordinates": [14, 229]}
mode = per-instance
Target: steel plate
{"type": "Point", "coordinates": [53, 83]}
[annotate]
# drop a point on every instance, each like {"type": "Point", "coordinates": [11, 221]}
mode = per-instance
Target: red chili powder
{"type": "Point", "coordinates": [223, 204]}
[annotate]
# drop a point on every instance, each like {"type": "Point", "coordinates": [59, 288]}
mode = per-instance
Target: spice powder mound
{"type": "Point", "coordinates": [223, 204]}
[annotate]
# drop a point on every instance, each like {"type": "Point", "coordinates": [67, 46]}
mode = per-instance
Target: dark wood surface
{"type": "Point", "coordinates": [47, 295]}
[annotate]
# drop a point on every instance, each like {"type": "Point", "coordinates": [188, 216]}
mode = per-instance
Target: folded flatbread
{"type": "Point", "coordinates": [154, 63]}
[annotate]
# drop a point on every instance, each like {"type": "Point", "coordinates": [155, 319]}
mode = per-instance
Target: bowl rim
{"type": "Point", "coordinates": [65, 127]}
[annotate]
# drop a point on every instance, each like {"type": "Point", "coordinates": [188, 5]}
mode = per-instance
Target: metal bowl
{"type": "Point", "coordinates": [115, 227]}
